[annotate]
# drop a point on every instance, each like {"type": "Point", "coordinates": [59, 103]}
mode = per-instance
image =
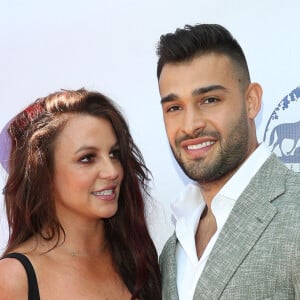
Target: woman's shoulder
{"type": "Point", "coordinates": [13, 279]}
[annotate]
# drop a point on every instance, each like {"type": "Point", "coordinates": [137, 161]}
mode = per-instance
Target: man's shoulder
{"type": "Point", "coordinates": [170, 243]}
{"type": "Point", "coordinates": [274, 173]}
{"type": "Point", "coordinates": [293, 179]}
{"type": "Point", "coordinates": [169, 248]}
{"type": "Point", "coordinates": [288, 202]}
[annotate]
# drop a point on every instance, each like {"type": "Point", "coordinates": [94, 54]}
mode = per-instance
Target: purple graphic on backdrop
{"type": "Point", "coordinates": [282, 132]}
{"type": "Point", "coordinates": [5, 146]}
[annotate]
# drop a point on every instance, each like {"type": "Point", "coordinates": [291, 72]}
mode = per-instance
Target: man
{"type": "Point", "coordinates": [237, 228]}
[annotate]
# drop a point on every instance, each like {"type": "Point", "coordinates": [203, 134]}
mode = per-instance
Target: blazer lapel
{"type": "Point", "coordinates": [169, 270]}
{"type": "Point", "coordinates": [250, 216]}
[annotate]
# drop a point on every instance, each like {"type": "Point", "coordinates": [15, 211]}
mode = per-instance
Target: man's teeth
{"type": "Point", "coordinates": [199, 146]}
{"type": "Point", "coordinates": [104, 193]}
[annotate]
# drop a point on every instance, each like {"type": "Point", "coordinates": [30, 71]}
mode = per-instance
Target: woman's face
{"type": "Point", "coordinates": [87, 169]}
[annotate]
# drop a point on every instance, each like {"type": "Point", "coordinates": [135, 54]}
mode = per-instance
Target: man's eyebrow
{"type": "Point", "coordinates": [196, 92]}
{"type": "Point", "coordinates": [207, 89]}
{"type": "Point", "coordinates": [169, 98]}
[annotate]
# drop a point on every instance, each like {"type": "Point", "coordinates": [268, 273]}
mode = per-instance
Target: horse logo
{"type": "Point", "coordinates": [282, 132]}
{"type": "Point", "coordinates": [285, 131]}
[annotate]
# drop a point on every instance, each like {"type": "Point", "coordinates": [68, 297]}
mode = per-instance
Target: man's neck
{"type": "Point", "coordinates": [210, 189]}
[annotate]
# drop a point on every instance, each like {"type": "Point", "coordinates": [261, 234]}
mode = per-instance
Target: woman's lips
{"type": "Point", "coordinates": [107, 193]}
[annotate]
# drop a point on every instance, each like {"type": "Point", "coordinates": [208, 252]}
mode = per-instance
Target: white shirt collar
{"type": "Point", "coordinates": [191, 199]}
{"type": "Point", "coordinates": [242, 177]}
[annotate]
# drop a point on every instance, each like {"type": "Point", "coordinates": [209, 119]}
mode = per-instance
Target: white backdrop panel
{"type": "Point", "coordinates": [110, 46]}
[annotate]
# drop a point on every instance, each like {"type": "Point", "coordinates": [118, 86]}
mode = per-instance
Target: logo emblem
{"type": "Point", "coordinates": [4, 147]}
{"type": "Point", "coordinates": [282, 132]}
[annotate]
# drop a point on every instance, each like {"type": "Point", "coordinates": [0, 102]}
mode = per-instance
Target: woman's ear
{"type": "Point", "coordinates": [253, 99]}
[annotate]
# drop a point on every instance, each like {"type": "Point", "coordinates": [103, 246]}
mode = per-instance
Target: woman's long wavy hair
{"type": "Point", "coordinates": [29, 195]}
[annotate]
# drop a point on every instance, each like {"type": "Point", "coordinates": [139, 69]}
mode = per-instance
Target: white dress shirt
{"type": "Point", "coordinates": [186, 212]}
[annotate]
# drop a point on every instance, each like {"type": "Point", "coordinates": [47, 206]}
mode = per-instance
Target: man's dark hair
{"type": "Point", "coordinates": [193, 41]}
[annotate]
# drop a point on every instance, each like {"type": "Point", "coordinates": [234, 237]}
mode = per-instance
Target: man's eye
{"type": "Point", "coordinates": [210, 100]}
{"type": "Point", "coordinates": [173, 108]}
{"type": "Point", "coordinates": [87, 158]}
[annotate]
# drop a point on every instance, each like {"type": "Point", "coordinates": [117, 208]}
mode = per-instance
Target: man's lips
{"type": "Point", "coordinates": [196, 144]}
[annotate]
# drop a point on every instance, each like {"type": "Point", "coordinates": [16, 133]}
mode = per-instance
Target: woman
{"type": "Point", "coordinates": [74, 200]}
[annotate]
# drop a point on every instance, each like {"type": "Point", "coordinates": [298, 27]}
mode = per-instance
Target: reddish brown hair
{"type": "Point", "coordinates": [28, 191]}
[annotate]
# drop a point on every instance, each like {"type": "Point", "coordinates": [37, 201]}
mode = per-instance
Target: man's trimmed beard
{"type": "Point", "coordinates": [231, 154]}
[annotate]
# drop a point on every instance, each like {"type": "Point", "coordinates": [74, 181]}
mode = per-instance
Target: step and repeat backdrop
{"type": "Point", "coordinates": [109, 46]}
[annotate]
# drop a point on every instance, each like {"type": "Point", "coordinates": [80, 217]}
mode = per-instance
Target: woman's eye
{"type": "Point", "coordinates": [87, 158]}
{"type": "Point", "coordinates": [115, 154]}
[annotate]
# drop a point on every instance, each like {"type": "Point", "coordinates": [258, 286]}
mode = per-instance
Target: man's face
{"type": "Point", "coordinates": [205, 115]}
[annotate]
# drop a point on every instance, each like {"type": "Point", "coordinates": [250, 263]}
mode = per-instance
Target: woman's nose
{"type": "Point", "coordinates": [109, 169]}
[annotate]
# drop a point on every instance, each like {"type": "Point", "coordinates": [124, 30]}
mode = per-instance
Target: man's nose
{"type": "Point", "coordinates": [193, 122]}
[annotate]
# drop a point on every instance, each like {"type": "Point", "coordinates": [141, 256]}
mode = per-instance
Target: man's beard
{"type": "Point", "coordinates": [230, 155]}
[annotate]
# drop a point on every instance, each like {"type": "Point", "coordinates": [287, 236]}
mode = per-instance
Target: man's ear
{"type": "Point", "coordinates": [253, 99]}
